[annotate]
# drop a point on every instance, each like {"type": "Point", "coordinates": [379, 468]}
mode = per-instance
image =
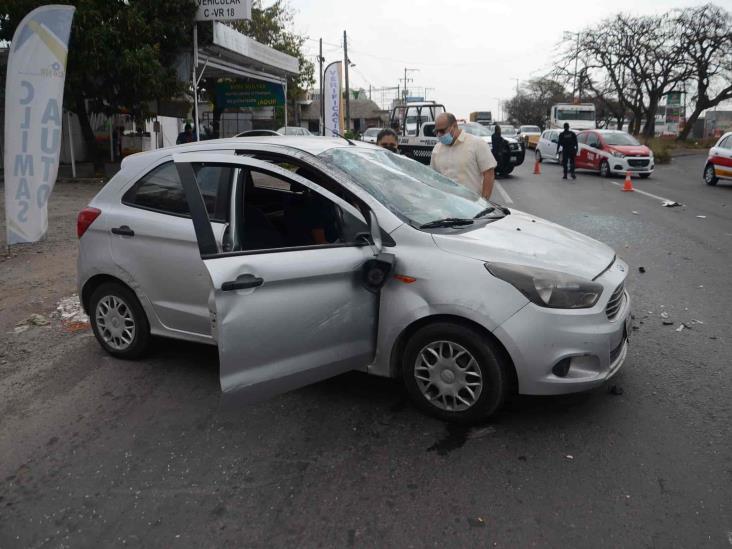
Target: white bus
{"type": "Point", "coordinates": [579, 117]}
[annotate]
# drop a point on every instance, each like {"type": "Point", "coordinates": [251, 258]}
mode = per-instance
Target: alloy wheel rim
{"type": "Point", "coordinates": [605, 169]}
{"type": "Point", "coordinates": [448, 376]}
{"type": "Point", "coordinates": [115, 322]}
{"type": "Point", "coordinates": [709, 174]}
{"type": "Point", "coordinates": [538, 155]}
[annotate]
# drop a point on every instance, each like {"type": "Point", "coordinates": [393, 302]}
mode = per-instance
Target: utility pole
{"type": "Point", "coordinates": [406, 81]}
{"type": "Point", "coordinates": [517, 85]}
{"type": "Point", "coordinates": [322, 98]}
{"type": "Point", "coordinates": [348, 91]}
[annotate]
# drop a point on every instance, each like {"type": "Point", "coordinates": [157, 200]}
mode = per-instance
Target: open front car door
{"type": "Point", "coordinates": [290, 300]}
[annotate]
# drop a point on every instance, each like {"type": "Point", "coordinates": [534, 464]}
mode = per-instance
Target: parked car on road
{"type": "Point", "coordinates": [305, 257]}
{"type": "Point", "coordinates": [529, 135]}
{"type": "Point", "coordinates": [719, 161]}
{"type": "Point", "coordinates": [515, 155]}
{"type": "Point", "coordinates": [546, 148]}
{"type": "Point", "coordinates": [369, 136]}
{"type": "Point", "coordinates": [613, 152]}
{"type": "Point", "coordinates": [293, 130]}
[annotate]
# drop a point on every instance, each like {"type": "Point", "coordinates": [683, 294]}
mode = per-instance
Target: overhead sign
{"type": "Point", "coordinates": [223, 10]}
{"type": "Point", "coordinates": [238, 95]}
{"type": "Point", "coordinates": [34, 91]}
{"type": "Point", "coordinates": [333, 93]}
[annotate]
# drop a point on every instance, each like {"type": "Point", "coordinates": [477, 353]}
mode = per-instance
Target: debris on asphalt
{"type": "Point", "coordinates": [664, 314]}
{"type": "Point", "coordinates": [642, 269]}
{"type": "Point", "coordinates": [682, 326]}
{"type": "Point", "coordinates": [701, 285]}
{"type": "Point", "coordinates": [635, 213]}
{"type": "Point", "coordinates": [69, 308]}
{"type": "Point", "coordinates": [569, 457]}
{"type": "Point", "coordinates": [702, 216]}
{"type": "Point", "coordinates": [481, 432]}
{"type": "Point", "coordinates": [32, 320]}
{"type": "Point", "coordinates": [615, 390]}
{"type": "Point", "coordinates": [476, 522]}
{"type": "Point", "coordinates": [668, 322]}
{"type": "Point", "coordinates": [695, 321]}
{"type": "Point", "coordinates": [670, 204]}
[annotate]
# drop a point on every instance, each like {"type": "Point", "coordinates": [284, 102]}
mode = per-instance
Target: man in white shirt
{"type": "Point", "coordinates": [462, 157]}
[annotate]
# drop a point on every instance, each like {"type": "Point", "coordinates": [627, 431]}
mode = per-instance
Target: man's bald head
{"type": "Point", "coordinates": [445, 127]}
{"type": "Point", "coordinates": [447, 118]}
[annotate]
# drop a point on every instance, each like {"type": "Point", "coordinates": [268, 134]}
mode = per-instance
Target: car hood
{"type": "Point", "coordinates": [523, 239]}
{"type": "Point", "coordinates": [630, 150]}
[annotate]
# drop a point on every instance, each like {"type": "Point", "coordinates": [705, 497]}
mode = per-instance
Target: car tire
{"type": "Point", "coordinates": [710, 177]}
{"type": "Point", "coordinates": [472, 382]}
{"type": "Point", "coordinates": [605, 169]}
{"type": "Point", "coordinates": [119, 321]}
{"type": "Point", "coordinates": [537, 154]}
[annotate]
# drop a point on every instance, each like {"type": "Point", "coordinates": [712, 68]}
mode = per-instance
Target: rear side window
{"type": "Point", "coordinates": [726, 143]}
{"type": "Point", "coordinates": [160, 190]}
{"type": "Point", "coordinates": [582, 138]}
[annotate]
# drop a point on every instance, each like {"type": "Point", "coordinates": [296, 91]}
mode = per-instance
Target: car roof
{"type": "Point", "coordinates": [309, 144]}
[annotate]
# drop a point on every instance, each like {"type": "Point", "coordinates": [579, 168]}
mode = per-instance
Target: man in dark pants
{"type": "Point", "coordinates": [568, 143]}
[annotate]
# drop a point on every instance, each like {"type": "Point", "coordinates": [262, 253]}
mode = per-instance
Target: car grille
{"type": "Point", "coordinates": [638, 163]}
{"type": "Point", "coordinates": [515, 146]}
{"type": "Point", "coordinates": [615, 302]}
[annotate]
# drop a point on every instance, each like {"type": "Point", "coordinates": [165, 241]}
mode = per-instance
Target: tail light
{"type": "Point", "coordinates": [85, 218]}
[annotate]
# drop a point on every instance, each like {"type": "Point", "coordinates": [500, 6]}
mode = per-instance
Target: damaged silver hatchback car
{"type": "Point", "coordinates": [302, 258]}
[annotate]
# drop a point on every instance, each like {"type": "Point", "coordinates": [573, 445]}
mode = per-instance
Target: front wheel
{"type": "Point", "coordinates": [452, 372]}
{"type": "Point", "coordinates": [537, 154]}
{"type": "Point", "coordinates": [710, 178]}
{"type": "Point", "coordinates": [118, 321]}
{"type": "Point", "coordinates": [604, 169]}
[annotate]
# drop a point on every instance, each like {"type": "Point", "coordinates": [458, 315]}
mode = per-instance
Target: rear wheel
{"type": "Point", "coordinates": [452, 372]}
{"type": "Point", "coordinates": [604, 169]}
{"type": "Point", "coordinates": [710, 178]}
{"type": "Point", "coordinates": [118, 321]}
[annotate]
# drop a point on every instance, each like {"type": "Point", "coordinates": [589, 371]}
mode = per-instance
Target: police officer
{"type": "Point", "coordinates": [568, 143]}
{"type": "Point", "coordinates": [499, 146]}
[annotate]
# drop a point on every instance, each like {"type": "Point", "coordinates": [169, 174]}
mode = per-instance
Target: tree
{"type": "Point", "coordinates": [706, 33]}
{"type": "Point", "coordinates": [121, 53]}
{"type": "Point", "coordinates": [531, 105]}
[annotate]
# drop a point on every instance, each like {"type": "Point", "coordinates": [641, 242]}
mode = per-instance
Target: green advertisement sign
{"type": "Point", "coordinates": [238, 95]}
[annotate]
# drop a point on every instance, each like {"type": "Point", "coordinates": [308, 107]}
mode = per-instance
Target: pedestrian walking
{"type": "Point", "coordinates": [568, 143]}
{"type": "Point", "coordinates": [462, 157]}
{"type": "Point", "coordinates": [387, 138]}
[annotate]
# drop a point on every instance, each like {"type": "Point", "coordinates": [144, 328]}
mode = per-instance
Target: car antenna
{"type": "Point", "coordinates": [343, 137]}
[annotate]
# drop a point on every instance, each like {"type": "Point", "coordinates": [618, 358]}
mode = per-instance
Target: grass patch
{"type": "Point", "coordinates": [663, 147]}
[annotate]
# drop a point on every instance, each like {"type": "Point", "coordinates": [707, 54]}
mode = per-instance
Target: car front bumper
{"type": "Point", "coordinates": [538, 339]}
{"type": "Point", "coordinates": [631, 164]}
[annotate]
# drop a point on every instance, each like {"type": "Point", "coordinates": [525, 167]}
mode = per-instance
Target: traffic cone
{"type": "Point", "coordinates": [537, 167]}
{"type": "Point", "coordinates": [628, 185]}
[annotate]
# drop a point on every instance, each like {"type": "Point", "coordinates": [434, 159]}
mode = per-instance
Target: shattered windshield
{"type": "Point", "coordinates": [413, 191]}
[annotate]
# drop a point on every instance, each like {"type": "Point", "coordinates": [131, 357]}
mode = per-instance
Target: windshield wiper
{"type": "Point", "coordinates": [446, 222]}
{"type": "Point", "coordinates": [491, 209]}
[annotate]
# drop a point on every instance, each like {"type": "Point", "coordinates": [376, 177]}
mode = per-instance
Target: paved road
{"type": "Point", "coordinates": [96, 451]}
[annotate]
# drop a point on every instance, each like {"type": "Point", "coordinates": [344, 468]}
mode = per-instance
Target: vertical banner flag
{"type": "Point", "coordinates": [332, 96]}
{"type": "Point", "coordinates": [34, 93]}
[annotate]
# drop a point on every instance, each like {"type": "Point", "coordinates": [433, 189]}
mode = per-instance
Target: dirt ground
{"type": "Point", "coordinates": [35, 277]}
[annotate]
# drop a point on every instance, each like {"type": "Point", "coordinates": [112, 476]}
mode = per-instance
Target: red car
{"type": "Point", "coordinates": [719, 162]}
{"type": "Point", "coordinates": [613, 152]}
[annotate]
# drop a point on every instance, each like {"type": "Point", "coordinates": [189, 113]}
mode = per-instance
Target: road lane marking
{"type": "Point", "coordinates": [503, 193]}
{"type": "Point", "coordinates": [662, 199]}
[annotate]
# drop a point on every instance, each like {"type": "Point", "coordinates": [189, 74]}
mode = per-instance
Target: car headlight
{"type": "Point", "coordinates": [617, 154]}
{"type": "Point", "coordinates": [548, 288]}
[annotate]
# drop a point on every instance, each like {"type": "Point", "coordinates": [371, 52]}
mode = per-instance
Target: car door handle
{"type": "Point", "coordinates": [124, 230]}
{"type": "Point", "coordinates": [242, 282]}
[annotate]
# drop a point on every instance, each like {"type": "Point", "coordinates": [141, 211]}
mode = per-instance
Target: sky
{"type": "Point", "coordinates": [470, 51]}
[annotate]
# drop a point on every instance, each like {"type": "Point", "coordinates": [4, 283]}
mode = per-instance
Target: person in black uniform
{"type": "Point", "coordinates": [499, 146]}
{"type": "Point", "coordinates": [568, 143]}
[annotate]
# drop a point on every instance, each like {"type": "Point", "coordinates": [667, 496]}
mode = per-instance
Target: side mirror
{"type": "Point", "coordinates": [375, 233]}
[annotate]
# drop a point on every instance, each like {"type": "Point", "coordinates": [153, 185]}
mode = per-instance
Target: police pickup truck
{"type": "Point", "coordinates": [415, 124]}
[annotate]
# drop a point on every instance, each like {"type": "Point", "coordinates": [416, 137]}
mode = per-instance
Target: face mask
{"type": "Point", "coordinates": [446, 139]}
